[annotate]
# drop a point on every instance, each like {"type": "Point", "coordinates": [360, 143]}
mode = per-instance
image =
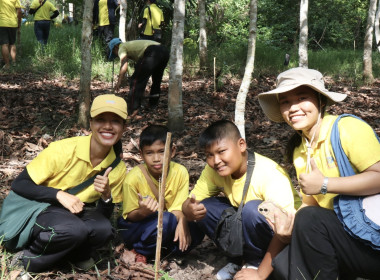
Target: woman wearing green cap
{"type": "Point", "coordinates": [75, 224]}
{"type": "Point", "coordinates": [325, 244]}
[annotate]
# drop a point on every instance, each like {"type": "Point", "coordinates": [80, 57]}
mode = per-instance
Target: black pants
{"type": "Point", "coordinates": [106, 33]}
{"type": "Point", "coordinates": [60, 235]}
{"type": "Point", "coordinates": [153, 64]}
{"type": "Point", "coordinates": [321, 249]}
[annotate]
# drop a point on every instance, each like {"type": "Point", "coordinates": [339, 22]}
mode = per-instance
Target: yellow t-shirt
{"type": "Point", "coordinates": [157, 18]}
{"type": "Point", "coordinates": [176, 190]}
{"type": "Point", "coordinates": [66, 163]}
{"type": "Point", "coordinates": [358, 141]}
{"type": "Point", "coordinates": [134, 49]}
{"type": "Point", "coordinates": [103, 13]}
{"type": "Point", "coordinates": [8, 13]}
{"type": "Point", "coordinates": [268, 182]}
{"type": "Point", "coordinates": [44, 12]}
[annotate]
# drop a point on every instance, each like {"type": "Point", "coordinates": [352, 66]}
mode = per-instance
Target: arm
{"type": "Point", "coordinates": [123, 70]}
{"type": "Point", "coordinates": [142, 25]}
{"type": "Point", "coordinates": [182, 233]}
{"type": "Point", "coordinates": [364, 183]}
{"type": "Point", "coordinates": [54, 15]}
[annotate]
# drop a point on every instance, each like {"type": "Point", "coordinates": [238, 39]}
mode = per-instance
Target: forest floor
{"type": "Point", "coordinates": [35, 111]}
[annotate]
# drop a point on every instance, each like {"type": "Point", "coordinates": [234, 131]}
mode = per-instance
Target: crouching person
{"type": "Point", "coordinates": [226, 172]}
{"type": "Point", "coordinates": [73, 226]}
{"type": "Point", "coordinates": [138, 223]}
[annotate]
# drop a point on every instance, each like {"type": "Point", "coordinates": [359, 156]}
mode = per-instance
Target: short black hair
{"type": "Point", "coordinates": [217, 131]}
{"type": "Point", "coordinates": [152, 133]}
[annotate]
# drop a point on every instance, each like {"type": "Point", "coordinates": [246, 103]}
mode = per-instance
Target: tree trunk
{"type": "Point", "coordinates": [377, 28]}
{"type": "Point", "coordinates": [202, 35]}
{"type": "Point", "coordinates": [123, 19]}
{"type": "Point", "coordinates": [368, 40]}
{"type": "Point", "coordinates": [175, 109]}
{"type": "Point", "coordinates": [302, 48]}
{"type": "Point", "coordinates": [242, 95]}
{"type": "Point", "coordinates": [85, 74]}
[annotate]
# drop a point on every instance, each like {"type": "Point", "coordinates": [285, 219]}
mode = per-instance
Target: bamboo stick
{"type": "Point", "coordinates": [161, 204]}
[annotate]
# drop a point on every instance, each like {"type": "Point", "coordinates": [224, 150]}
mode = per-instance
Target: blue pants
{"type": "Point", "coordinates": [59, 235]}
{"type": "Point", "coordinates": [142, 235]}
{"type": "Point", "coordinates": [42, 30]}
{"type": "Point", "coordinates": [256, 231]}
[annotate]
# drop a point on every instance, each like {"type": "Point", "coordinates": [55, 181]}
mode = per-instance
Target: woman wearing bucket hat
{"type": "Point", "coordinates": [326, 244]}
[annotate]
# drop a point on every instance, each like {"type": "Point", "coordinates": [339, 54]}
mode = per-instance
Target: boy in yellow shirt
{"type": "Point", "coordinates": [226, 169]}
{"type": "Point", "coordinates": [138, 223]}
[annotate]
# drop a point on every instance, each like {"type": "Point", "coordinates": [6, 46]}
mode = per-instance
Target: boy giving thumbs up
{"type": "Point", "coordinates": [67, 230]}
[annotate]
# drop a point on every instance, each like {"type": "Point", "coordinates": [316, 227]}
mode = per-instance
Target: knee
{"type": "Point", "coordinates": [250, 212]}
{"type": "Point", "coordinates": [75, 233]}
{"type": "Point", "coordinates": [305, 217]}
{"type": "Point", "coordinates": [169, 224]}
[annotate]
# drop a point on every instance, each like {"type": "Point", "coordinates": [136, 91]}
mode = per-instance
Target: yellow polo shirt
{"type": "Point", "coordinates": [8, 13]}
{"type": "Point", "coordinates": [66, 163]}
{"type": "Point", "coordinates": [358, 141]}
{"type": "Point", "coordinates": [176, 190]}
{"type": "Point", "coordinates": [44, 12]}
{"type": "Point", "coordinates": [134, 49]}
{"type": "Point", "coordinates": [103, 13]}
{"type": "Point", "coordinates": [157, 18]}
{"type": "Point", "coordinates": [268, 182]}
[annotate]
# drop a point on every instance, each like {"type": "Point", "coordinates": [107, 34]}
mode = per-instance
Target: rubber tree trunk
{"type": "Point", "coordinates": [302, 47]}
{"type": "Point", "coordinates": [244, 87]}
{"type": "Point", "coordinates": [202, 35]}
{"type": "Point", "coordinates": [368, 41]}
{"type": "Point", "coordinates": [175, 108]}
{"type": "Point", "coordinates": [85, 73]}
{"type": "Point", "coordinates": [123, 19]}
{"type": "Point", "coordinates": [377, 27]}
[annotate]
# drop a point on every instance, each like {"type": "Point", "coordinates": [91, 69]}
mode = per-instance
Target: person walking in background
{"type": "Point", "coordinates": [10, 22]}
{"type": "Point", "coordinates": [151, 59]}
{"type": "Point", "coordinates": [153, 20]}
{"type": "Point", "coordinates": [105, 19]}
{"type": "Point", "coordinates": [43, 11]}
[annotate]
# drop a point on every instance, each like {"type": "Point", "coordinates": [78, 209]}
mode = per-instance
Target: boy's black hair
{"type": "Point", "coordinates": [217, 131]}
{"type": "Point", "coordinates": [152, 133]}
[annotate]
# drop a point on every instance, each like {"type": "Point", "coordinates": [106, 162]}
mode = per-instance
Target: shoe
{"type": "Point", "coordinates": [139, 257]}
{"type": "Point", "coordinates": [85, 265]}
{"type": "Point", "coordinates": [251, 266]}
{"type": "Point", "coordinates": [228, 272]}
{"type": "Point", "coordinates": [16, 264]}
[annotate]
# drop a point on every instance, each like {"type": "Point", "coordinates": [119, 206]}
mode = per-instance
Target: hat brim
{"type": "Point", "coordinates": [271, 106]}
{"type": "Point", "coordinates": [106, 109]}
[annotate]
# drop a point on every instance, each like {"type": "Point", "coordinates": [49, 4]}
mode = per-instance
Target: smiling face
{"type": "Point", "coordinates": [228, 157]}
{"type": "Point", "coordinates": [300, 109]}
{"type": "Point", "coordinates": [107, 129]}
{"type": "Point", "coordinates": [153, 155]}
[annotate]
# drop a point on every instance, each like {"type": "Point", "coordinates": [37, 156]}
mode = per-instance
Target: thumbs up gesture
{"type": "Point", "coordinates": [195, 210]}
{"type": "Point", "coordinates": [147, 205]}
{"type": "Point", "coordinates": [101, 184]}
{"type": "Point", "coordinates": [311, 183]}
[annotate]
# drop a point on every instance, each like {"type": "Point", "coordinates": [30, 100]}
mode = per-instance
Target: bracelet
{"type": "Point", "coordinates": [324, 185]}
{"type": "Point", "coordinates": [107, 200]}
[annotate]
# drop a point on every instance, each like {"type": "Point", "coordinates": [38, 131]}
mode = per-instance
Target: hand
{"type": "Point", "coordinates": [182, 234]}
{"type": "Point", "coordinates": [70, 202]}
{"type": "Point", "coordinates": [197, 210]}
{"type": "Point", "coordinates": [140, 24]}
{"type": "Point", "coordinates": [101, 184]}
{"type": "Point", "coordinates": [311, 183]}
{"type": "Point", "coordinates": [283, 227]}
{"type": "Point", "coordinates": [147, 205]}
{"type": "Point", "coordinates": [247, 274]}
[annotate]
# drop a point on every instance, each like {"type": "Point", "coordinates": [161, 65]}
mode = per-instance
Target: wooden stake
{"type": "Point", "coordinates": [161, 204]}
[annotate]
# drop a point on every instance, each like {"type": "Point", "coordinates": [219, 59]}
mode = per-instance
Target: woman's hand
{"type": "Point", "coordinates": [70, 202]}
{"type": "Point", "coordinates": [311, 183]}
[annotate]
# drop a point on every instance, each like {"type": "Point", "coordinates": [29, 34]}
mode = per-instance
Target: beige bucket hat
{"type": "Point", "coordinates": [289, 80]}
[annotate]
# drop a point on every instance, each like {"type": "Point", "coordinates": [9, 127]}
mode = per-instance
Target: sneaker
{"type": "Point", "coordinates": [139, 257]}
{"type": "Point", "coordinates": [17, 265]}
{"type": "Point", "coordinates": [85, 265]}
{"type": "Point", "coordinates": [228, 272]}
{"type": "Point", "coordinates": [251, 266]}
